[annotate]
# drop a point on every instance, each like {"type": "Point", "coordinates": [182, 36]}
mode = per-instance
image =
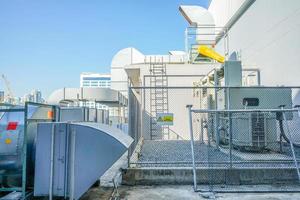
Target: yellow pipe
{"type": "Point", "coordinates": [208, 52]}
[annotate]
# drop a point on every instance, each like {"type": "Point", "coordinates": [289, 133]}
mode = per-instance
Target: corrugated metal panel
{"type": "Point", "coordinates": [81, 153]}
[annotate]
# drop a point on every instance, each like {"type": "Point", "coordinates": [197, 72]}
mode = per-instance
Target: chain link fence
{"type": "Point", "coordinates": [233, 128]}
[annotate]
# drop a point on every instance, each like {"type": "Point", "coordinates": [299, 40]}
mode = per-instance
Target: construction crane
{"type": "Point", "coordinates": [10, 96]}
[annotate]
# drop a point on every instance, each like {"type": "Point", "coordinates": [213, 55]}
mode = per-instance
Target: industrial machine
{"type": "Point", "coordinates": [12, 129]}
{"type": "Point", "coordinates": [31, 141]}
{"type": "Point", "coordinates": [253, 131]}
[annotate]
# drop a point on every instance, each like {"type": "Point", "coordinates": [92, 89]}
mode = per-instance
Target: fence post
{"type": "Point", "coordinates": [216, 113]}
{"type": "Point", "coordinates": [189, 107]}
{"type": "Point", "coordinates": [201, 129]}
{"type": "Point", "coordinates": [129, 151]}
{"type": "Point", "coordinates": [229, 125]}
{"type": "Point", "coordinates": [291, 143]}
{"type": "Point", "coordinates": [230, 137]}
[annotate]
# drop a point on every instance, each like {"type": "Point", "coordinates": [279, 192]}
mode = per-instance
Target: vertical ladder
{"type": "Point", "coordinates": [158, 100]}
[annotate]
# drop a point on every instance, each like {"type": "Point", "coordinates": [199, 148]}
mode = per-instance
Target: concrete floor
{"type": "Point", "coordinates": [176, 192]}
{"type": "Point", "coordinates": [179, 193]}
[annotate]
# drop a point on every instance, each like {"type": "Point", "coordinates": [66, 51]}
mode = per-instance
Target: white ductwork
{"type": "Point", "coordinates": [201, 18]}
{"type": "Point", "coordinates": [105, 96]}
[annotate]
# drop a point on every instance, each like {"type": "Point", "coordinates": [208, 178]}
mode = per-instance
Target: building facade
{"type": "Point", "coordinates": [34, 96]}
{"type": "Point", "coordinates": [37, 96]}
{"type": "Point", "coordinates": [266, 35]}
{"type": "Point", "coordinates": [94, 80]}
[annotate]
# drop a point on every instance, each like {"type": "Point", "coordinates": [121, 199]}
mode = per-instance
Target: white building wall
{"type": "Point", "coordinates": [122, 59]}
{"type": "Point", "coordinates": [132, 59]}
{"type": "Point", "coordinates": [223, 10]}
{"type": "Point", "coordinates": [267, 36]}
{"type": "Point", "coordinates": [177, 98]}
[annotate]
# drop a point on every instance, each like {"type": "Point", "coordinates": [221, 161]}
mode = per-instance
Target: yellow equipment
{"type": "Point", "coordinates": [208, 52]}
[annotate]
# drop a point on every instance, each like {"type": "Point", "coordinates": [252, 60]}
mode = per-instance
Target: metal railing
{"type": "Point", "coordinates": [205, 35]}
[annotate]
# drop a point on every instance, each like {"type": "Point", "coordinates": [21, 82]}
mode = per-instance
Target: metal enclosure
{"type": "Point", "coordinates": [78, 114]}
{"type": "Point", "coordinates": [17, 144]}
{"type": "Point", "coordinates": [233, 73]}
{"type": "Point", "coordinates": [12, 139]}
{"type": "Point", "coordinates": [71, 157]}
{"type": "Point", "coordinates": [252, 130]}
{"type": "Point", "coordinates": [82, 114]}
{"type": "Point", "coordinates": [233, 98]}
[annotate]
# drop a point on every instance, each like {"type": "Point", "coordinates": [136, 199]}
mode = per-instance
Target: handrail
{"type": "Point", "coordinates": [177, 134]}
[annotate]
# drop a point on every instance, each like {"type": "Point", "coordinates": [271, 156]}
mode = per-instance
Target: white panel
{"type": "Point", "coordinates": [223, 10]}
{"type": "Point", "coordinates": [122, 59]}
{"type": "Point", "coordinates": [267, 36]}
{"type": "Point", "coordinates": [118, 74]}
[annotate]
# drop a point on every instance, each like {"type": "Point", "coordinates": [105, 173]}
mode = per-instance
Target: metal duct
{"type": "Point", "coordinates": [71, 157]}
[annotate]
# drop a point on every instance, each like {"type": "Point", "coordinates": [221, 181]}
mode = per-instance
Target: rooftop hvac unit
{"type": "Point", "coordinates": [250, 130]}
{"type": "Point", "coordinates": [253, 131]}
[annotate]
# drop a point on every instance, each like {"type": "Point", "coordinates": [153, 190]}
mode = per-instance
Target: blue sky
{"type": "Point", "coordinates": [46, 44]}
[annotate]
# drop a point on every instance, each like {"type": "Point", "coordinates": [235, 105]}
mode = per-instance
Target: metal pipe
{"type": "Point", "coordinates": [192, 146]}
{"type": "Point", "coordinates": [230, 139]}
{"type": "Point", "coordinates": [129, 126]}
{"type": "Point", "coordinates": [202, 130]}
{"type": "Point", "coordinates": [216, 107]}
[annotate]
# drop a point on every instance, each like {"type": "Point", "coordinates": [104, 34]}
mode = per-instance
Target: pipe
{"type": "Point", "coordinates": [238, 14]}
{"type": "Point", "coordinates": [282, 133]}
{"type": "Point", "coordinates": [189, 107]}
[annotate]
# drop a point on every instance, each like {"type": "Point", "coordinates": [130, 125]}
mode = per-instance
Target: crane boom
{"type": "Point", "coordinates": [7, 85]}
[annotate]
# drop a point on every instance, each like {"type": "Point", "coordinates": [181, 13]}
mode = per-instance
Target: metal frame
{"type": "Point", "coordinates": [291, 161]}
{"type": "Point", "coordinates": [23, 188]}
{"type": "Point", "coordinates": [282, 110]}
{"type": "Point", "coordinates": [191, 34]}
{"type": "Point", "coordinates": [18, 189]}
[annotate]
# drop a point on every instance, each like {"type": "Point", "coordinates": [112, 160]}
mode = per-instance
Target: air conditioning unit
{"type": "Point", "coordinates": [254, 131]}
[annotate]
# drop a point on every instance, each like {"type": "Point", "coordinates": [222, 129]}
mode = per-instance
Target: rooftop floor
{"type": "Point", "coordinates": [185, 192]}
{"type": "Point", "coordinates": [177, 153]}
